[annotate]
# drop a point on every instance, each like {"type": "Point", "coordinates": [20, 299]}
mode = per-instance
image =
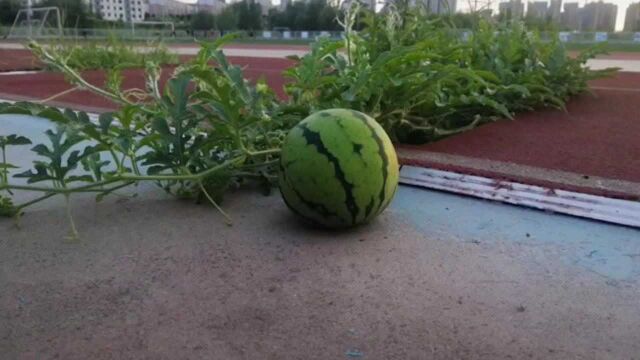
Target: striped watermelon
{"type": "Point", "coordinates": [338, 168]}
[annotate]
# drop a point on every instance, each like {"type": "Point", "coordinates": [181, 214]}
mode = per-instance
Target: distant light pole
{"type": "Point", "coordinates": [29, 17]}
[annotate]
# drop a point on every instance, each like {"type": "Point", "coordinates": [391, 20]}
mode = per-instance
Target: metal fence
{"type": "Point", "coordinates": [150, 34]}
{"type": "Point", "coordinates": [166, 34]}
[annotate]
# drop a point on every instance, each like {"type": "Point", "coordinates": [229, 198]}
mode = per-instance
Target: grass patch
{"type": "Point", "coordinates": [112, 54]}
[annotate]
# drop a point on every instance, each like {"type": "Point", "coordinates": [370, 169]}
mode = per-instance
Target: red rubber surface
{"type": "Point", "coordinates": [598, 135]}
{"type": "Point", "coordinates": [12, 60]}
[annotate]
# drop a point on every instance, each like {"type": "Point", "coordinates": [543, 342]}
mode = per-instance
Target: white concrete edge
{"type": "Point", "coordinates": [257, 53]}
{"type": "Point", "coordinates": [616, 211]}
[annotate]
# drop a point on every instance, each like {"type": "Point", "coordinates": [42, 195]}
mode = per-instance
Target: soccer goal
{"type": "Point", "coordinates": [149, 29]}
{"type": "Point", "coordinates": [40, 22]}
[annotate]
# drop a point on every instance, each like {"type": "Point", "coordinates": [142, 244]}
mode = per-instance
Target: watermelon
{"type": "Point", "coordinates": [338, 168]}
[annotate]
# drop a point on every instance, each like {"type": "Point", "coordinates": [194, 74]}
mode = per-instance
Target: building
{"type": "Point", "coordinates": [210, 6]}
{"type": "Point", "coordinates": [512, 9]}
{"type": "Point", "coordinates": [486, 13]}
{"type": "Point", "coordinates": [571, 16]}
{"type": "Point", "coordinates": [554, 12]}
{"type": "Point", "coordinates": [124, 10]}
{"type": "Point", "coordinates": [632, 18]}
{"type": "Point", "coordinates": [168, 8]}
{"type": "Point", "coordinates": [432, 6]}
{"type": "Point", "coordinates": [537, 9]}
{"type": "Point", "coordinates": [598, 16]}
{"type": "Point", "coordinates": [441, 6]}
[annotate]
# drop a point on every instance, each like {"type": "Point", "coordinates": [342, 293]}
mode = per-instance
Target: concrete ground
{"type": "Point", "coordinates": [437, 276]}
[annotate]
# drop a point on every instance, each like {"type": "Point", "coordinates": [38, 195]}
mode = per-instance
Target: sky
{"type": "Point", "coordinates": [462, 4]}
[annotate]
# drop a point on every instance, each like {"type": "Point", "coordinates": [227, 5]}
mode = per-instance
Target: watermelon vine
{"type": "Point", "coordinates": [209, 129]}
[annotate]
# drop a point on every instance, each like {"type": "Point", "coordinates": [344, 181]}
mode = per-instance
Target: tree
{"type": "Point", "coordinates": [227, 19]}
{"type": "Point", "coordinates": [203, 21]}
{"type": "Point", "coordinates": [8, 11]}
{"type": "Point", "coordinates": [306, 15]}
{"type": "Point", "coordinates": [249, 15]}
{"type": "Point", "coordinates": [74, 12]}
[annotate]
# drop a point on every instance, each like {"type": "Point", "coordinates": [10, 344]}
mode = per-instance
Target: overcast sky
{"type": "Point", "coordinates": [462, 4]}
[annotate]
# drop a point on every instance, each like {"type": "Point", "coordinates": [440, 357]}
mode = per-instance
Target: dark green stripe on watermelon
{"type": "Point", "coordinates": [383, 156]}
{"type": "Point", "coordinates": [314, 138]}
{"type": "Point", "coordinates": [320, 208]}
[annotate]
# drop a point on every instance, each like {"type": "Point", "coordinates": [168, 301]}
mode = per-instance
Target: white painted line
{"type": "Point", "coordinates": [613, 88]}
{"type": "Point", "coordinates": [624, 65]}
{"type": "Point", "coordinates": [26, 72]}
{"type": "Point", "coordinates": [617, 211]}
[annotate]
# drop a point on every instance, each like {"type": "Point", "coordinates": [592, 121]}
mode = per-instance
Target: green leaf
{"type": "Point", "coordinates": [162, 127]}
{"type": "Point", "coordinates": [54, 115]}
{"type": "Point", "coordinates": [39, 175]}
{"type": "Point", "coordinates": [42, 150]}
{"type": "Point", "coordinates": [14, 140]}
{"type": "Point", "coordinates": [79, 178]}
{"type": "Point", "coordinates": [83, 118]}
{"type": "Point", "coordinates": [105, 121]}
{"type": "Point", "coordinates": [7, 209]}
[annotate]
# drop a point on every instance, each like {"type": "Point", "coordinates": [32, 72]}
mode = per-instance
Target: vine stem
{"type": "Point", "coordinates": [31, 202]}
{"type": "Point", "coordinates": [62, 93]}
{"type": "Point", "coordinates": [74, 232]}
{"type": "Point", "coordinates": [124, 177]}
{"type": "Point", "coordinates": [5, 171]}
{"type": "Point", "coordinates": [44, 54]}
{"type": "Point", "coordinates": [196, 176]}
{"type": "Point", "coordinates": [228, 219]}
{"type": "Point", "coordinates": [444, 132]}
{"type": "Point", "coordinates": [263, 152]}
{"type": "Point", "coordinates": [59, 190]}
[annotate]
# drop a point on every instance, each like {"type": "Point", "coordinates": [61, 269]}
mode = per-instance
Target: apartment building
{"type": "Point", "coordinates": [124, 10]}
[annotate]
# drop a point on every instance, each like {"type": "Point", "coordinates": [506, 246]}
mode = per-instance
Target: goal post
{"type": "Point", "coordinates": [147, 27]}
{"type": "Point", "coordinates": [39, 22]}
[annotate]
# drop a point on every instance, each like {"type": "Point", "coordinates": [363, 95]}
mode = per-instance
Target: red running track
{"type": "Point", "coordinates": [598, 135]}
{"type": "Point", "coordinates": [43, 85]}
{"type": "Point", "coordinates": [12, 60]}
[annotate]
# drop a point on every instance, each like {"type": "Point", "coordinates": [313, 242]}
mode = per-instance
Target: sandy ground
{"type": "Point", "coordinates": [155, 278]}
